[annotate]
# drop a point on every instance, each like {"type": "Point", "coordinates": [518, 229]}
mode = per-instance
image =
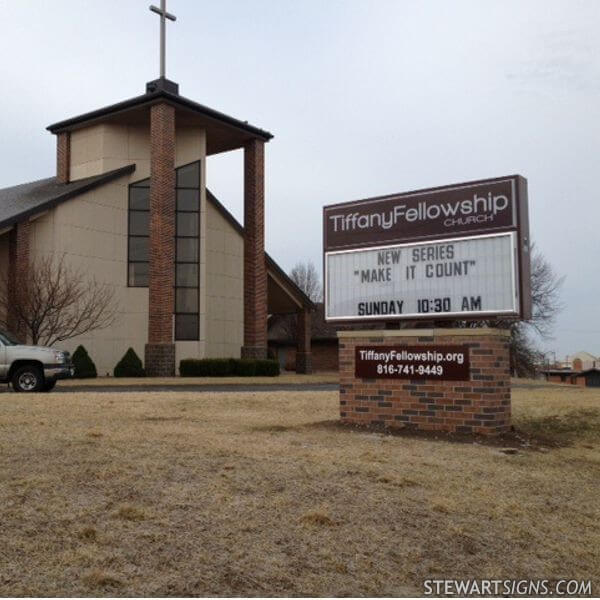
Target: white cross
{"type": "Point", "coordinates": [164, 15]}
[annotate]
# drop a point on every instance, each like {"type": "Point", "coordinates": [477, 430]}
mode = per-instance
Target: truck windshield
{"type": "Point", "coordinates": [7, 339]}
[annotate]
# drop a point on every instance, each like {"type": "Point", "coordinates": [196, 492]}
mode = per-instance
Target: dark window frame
{"type": "Point", "coordinates": [130, 261]}
{"type": "Point", "coordinates": [196, 261]}
{"type": "Point", "coordinates": [145, 184]}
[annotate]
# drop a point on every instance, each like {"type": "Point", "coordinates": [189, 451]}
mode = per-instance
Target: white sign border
{"type": "Point", "coordinates": [435, 315]}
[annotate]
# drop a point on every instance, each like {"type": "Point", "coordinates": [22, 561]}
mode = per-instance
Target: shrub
{"type": "Point", "coordinates": [267, 368]}
{"type": "Point", "coordinates": [83, 364]}
{"type": "Point", "coordinates": [227, 367]}
{"type": "Point", "coordinates": [245, 367]}
{"type": "Point", "coordinates": [188, 367]}
{"type": "Point", "coordinates": [129, 366]}
{"type": "Point", "coordinates": [207, 367]}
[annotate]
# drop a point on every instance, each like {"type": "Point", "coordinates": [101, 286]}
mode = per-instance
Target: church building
{"type": "Point", "coordinates": [129, 205]}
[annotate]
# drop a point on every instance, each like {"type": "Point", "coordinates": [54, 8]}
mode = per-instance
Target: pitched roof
{"type": "Point", "coordinates": [570, 371]}
{"type": "Point", "coordinates": [582, 355]}
{"type": "Point", "coordinates": [223, 132]}
{"type": "Point", "coordinates": [271, 264]}
{"type": "Point", "coordinates": [26, 200]}
{"type": "Point", "coordinates": [588, 371]}
{"type": "Point", "coordinates": [282, 327]}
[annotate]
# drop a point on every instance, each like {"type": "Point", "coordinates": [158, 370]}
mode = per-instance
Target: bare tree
{"type": "Point", "coordinates": [546, 304]}
{"type": "Point", "coordinates": [524, 354]}
{"type": "Point", "coordinates": [305, 276]}
{"type": "Point", "coordinates": [545, 292]}
{"type": "Point", "coordinates": [55, 303]}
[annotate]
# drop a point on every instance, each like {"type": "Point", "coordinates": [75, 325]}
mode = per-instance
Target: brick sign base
{"type": "Point", "coordinates": [479, 404]}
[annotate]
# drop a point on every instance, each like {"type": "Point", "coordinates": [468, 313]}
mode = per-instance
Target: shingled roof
{"type": "Point", "coordinates": [24, 201]}
{"type": "Point", "coordinates": [282, 327]}
{"type": "Point", "coordinates": [271, 264]}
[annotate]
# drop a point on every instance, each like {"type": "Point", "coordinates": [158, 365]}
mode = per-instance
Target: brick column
{"type": "Point", "coordinates": [160, 349]}
{"type": "Point", "coordinates": [18, 271]}
{"type": "Point", "coordinates": [255, 273]}
{"type": "Point", "coordinates": [63, 157]}
{"type": "Point", "coordinates": [303, 353]}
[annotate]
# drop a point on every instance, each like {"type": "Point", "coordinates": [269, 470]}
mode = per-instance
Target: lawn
{"type": "Point", "coordinates": [175, 493]}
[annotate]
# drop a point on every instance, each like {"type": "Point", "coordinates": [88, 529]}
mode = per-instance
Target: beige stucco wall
{"type": "Point", "coordinates": [101, 148]}
{"type": "Point", "coordinates": [224, 287]}
{"type": "Point", "coordinates": [91, 232]}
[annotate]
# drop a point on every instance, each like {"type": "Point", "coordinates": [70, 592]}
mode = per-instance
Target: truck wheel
{"type": "Point", "coordinates": [49, 385]}
{"type": "Point", "coordinates": [28, 379]}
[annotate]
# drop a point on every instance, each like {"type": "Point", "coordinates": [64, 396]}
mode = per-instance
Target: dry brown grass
{"type": "Point", "coordinates": [178, 493]}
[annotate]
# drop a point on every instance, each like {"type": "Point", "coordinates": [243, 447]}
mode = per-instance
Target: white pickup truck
{"type": "Point", "coordinates": [32, 368]}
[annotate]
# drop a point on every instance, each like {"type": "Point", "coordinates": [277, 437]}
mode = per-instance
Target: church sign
{"type": "Point", "coordinates": [442, 362]}
{"type": "Point", "coordinates": [459, 251]}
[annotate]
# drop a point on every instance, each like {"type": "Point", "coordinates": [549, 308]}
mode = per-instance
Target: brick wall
{"type": "Point", "coordinates": [570, 379]}
{"type": "Point", "coordinates": [63, 156]}
{"type": "Point", "coordinates": [19, 239]}
{"type": "Point", "coordinates": [255, 272]}
{"type": "Point", "coordinates": [160, 360]}
{"type": "Point", "coordinates": [324, 355]}
{"type": "Point", "coordinates": [303, 353]}
{"type": "Point", "coordinates": [480, 405]}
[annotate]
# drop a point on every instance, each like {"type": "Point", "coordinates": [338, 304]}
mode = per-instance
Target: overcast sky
{"type": "Point", "coordinates": [364, 98]}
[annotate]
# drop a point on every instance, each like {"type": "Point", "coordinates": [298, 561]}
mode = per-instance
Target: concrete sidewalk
{"type": "Point", "coordinates": [287, 382]}
{"type": "Point", "coordinates": [283, 379]}
{"type": "Point", "coordinates": [239, 387]}
{"type": "Point", "coordinates": [284, 382]}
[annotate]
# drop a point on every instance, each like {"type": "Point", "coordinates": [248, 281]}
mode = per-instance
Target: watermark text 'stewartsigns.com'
{"type": "Point", "coordinates": [507, 587]}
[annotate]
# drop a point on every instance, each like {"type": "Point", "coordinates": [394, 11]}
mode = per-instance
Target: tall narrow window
{"type": "Point", "coordinates": [139, 234]}
{"type": "Point", "coordinates": [187, 252]}
{"type": "Point", "coordinates": [187, 246]}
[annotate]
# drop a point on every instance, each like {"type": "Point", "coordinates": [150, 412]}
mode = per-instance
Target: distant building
{"type": "Point", "coordinates": [282, 339]}
{"type": "Point", "coordinates": [582, 361]}
{"type": "Point", "coordinates": [282, 336]}
{"type": "Point", "coordinates": [584, 378]}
